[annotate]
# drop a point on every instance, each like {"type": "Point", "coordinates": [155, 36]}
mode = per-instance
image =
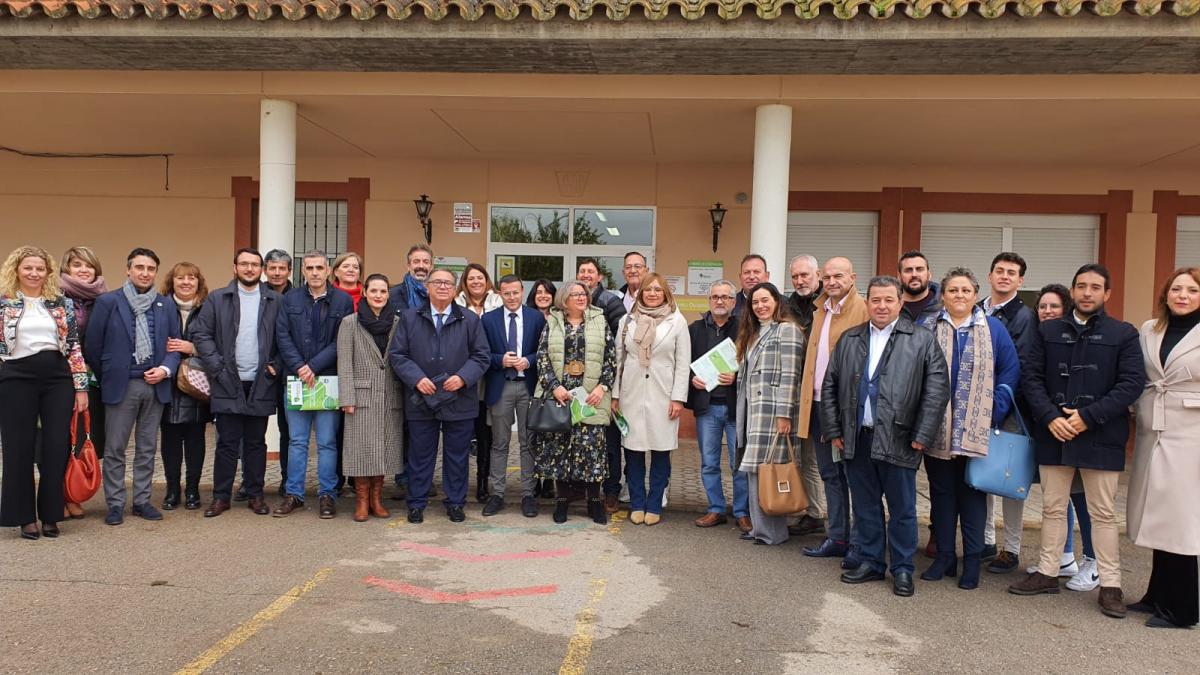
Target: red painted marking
{"type": "Point", "coordinates": [431, 595]}
{"type": "Point", "coordinates": [449, 554]}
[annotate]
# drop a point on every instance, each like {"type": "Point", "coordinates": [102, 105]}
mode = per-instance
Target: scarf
{"type": "Point", "coordinates": [354, 293]}
{"type": "Point", "coordinates": [418, 295]}
{"type": "Point", "coordinates": [377, 326]}
{"type": "Point", "coordinates": [83, 295]}
{"type": "Point", "coordinates": [968, 419]}
{"type": "Point", "coordinates": [139, 303]}
{"type": "Point", "coordinates": [185, 310]}
{"type": "Point", "coordinates": [647, 322]}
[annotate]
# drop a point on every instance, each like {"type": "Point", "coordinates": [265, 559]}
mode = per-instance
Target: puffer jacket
{"type": "Point", "coordinates": [914, 388]}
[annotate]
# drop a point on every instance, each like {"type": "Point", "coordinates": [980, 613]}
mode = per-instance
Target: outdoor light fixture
{"type": "Point", "coordinates": [718, 216]}
{"type": "Point", "coordinates": [424, 206]}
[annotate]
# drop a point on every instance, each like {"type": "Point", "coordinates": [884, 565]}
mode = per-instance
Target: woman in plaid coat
{"type": "Point", "coordinates": [770, 356]}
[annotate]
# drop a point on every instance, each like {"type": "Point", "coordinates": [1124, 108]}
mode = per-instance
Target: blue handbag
{"type": "Point", "coordinates": [1009, 467]}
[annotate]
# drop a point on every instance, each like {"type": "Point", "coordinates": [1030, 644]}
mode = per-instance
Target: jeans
{"type": "Point", "coordinates": [710, 427]}
{"type": "Point", "coordinates": [1079, 504]}
{"type": "Point", "coordinates": [837, 491]}
{"type": "Point", "coordinates": [300, 423]}
{"type": "Point", "coordinates": [612, 442]}
{"type": "Point", "coordinates": [635, 477]}
{"type": "Point", "coordinates": [870, 482]}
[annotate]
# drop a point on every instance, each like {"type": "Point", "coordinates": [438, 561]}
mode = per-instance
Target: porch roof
{"type": "Point", "coordinates": [616, 10]}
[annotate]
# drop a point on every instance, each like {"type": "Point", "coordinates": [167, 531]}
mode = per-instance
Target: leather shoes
{"type": "Point", "coordinates": [902, 584]}
{"type": "Point", "coordinates": [216, 508]}
{"type": "Point", "coordinates": [806, 525]}
{"type": "Point", "coordinates": [259, 506]}
{"type": "Point", "coordinates": [744, 524]}
{"type": "Point", "coordinates": [610, 503]}
{"type": "Point", "coordinates": [828, 549]}
{"type": "Point", "coordinates": [327, 507]}
{"type": "Point", "coordinates": [863, 574]}
{"type": "Point", "coordinates": [710, 519]}
{"type": "Point", "coordinates": [746, 536]}
{"type": "Point", "coordinates": [529, 507]}
{"type": "Point", "coordinates": [50, 530]}
{"type": "Point", "coordinates": [494, 505]}
{"type": "Point", "coordinates": [416, 516]}
{"type": "Point", "coordinates": [288, 506]}
{"type": "Point", "coordinates": [455, 513]}
{"type": "Point", "coordinates": [851, 561]}
{"type": "Point", "coordinates": [240, 495]}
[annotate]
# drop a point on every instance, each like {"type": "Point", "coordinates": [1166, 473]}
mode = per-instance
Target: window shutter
{"type": "Point", "coordinates": [1187, 242]}
{"type": "Point", "coordinates": [1053, 254]}
{"type": "Point", "coordinates": [825, 234]}
{"type": "Point", "coordinates": [948, 244]}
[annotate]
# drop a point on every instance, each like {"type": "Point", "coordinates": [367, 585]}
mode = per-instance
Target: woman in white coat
{"type": "Point", "coordinates": [654, 353]}
{"type": "Point", "coordinates": [1162, 513]}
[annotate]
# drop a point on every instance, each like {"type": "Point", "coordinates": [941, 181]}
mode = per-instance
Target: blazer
{"type": "Point", "coordinates": [214, 332]}
{"type": "Point", "coordinates": [495, 328]}
{"type": "Point", "coordinates": [854, 313]}
{"type": "Point", "coordinates": [110, 340]}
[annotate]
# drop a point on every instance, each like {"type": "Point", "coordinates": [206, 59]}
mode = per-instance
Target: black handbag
{"type": "Point", "coordinates": [548, 417]}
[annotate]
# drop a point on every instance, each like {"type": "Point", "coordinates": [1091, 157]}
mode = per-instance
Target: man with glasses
{"type": "Point", "coordinates": [635, 268]}
{"type": "Point", "coordinates": [716, 411]}
{"type": "Point", "coordinates": [440, 353]}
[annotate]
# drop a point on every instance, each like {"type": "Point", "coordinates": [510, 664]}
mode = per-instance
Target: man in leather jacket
{"type": "Point", "coordinates": [883, 401]}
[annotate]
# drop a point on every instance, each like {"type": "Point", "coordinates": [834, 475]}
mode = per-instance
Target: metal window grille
{"type": "Point", "coordinates": [320, 224]}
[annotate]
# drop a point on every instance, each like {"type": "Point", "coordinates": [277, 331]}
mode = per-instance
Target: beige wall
{"type": "Point", "coordinates": [114, 205]}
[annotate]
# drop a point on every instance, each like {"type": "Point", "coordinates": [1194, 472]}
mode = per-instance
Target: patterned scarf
{"type": "Point", "coordinates": [648, 319]}
{"type": "Point", "coordinates": [418, 295]}
{"type": "Point", "coordinates": [968, 420]}
{"type": "Point", "coordinates": [139, 303]}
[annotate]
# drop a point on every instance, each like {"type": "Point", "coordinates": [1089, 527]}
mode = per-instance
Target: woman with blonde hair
{"type": "Point", "coordinates": [185, 418]}
{"type": "Point", "coordinates": [654, 350]}
{"type": "Point", "coordinates": [476, 293]}
{"type": "Point", "coordinates": [81, 278]}
{"type": "Point", "coordinates": [347, 272]}
{"type": "Point", "coordinates": [42, 380]}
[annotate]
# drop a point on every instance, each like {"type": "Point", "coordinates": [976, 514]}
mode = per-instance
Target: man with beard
{"type": "Point", "coordinates": [807, 286]}
{"type": "Point", "coordinates": [922, 297]}
{"type": "Point", "coordinates": [411, 292]}
{"type": "Point", "coordinates": [806, 283]}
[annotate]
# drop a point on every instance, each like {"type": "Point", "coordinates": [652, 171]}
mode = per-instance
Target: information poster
{"type": "Point", "coordinates": [676, 285]}
{"type": "Point", "coordinates": [505, 264]}
{"type": "Point", "coordinates": [702, 274]}
{"type": "Point", "coordinates": [464, 218]}
{"type": "Point", "coordinates": [452, 263]}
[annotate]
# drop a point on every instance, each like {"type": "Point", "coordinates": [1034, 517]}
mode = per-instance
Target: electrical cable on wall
{"type": "Point", "coordinates": [100, 155]}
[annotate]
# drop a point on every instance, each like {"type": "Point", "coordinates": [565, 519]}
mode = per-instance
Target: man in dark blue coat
{"type": "Point", "coordinates": [440, 354]}
{"type": "Point", "coordinates": [411, 291]}
{"type": "Point", "coordinates": [127, 349]}
{"type": "Point", "coordinates": [306, 331]}
{"type": "Point", "coordinates": [234, 334]}
{"type": "Point", "coordinates": [513, 332]}
{"type": "Point", "coordinates": [1081, 375]}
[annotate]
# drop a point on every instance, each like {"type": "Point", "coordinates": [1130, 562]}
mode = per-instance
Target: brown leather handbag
{"type": "Point", "coordinates": [192, 381]}
{"type": "Point", "coordinates": [83, 467]}
{"type": "Point", "coordinates": [780, 491]}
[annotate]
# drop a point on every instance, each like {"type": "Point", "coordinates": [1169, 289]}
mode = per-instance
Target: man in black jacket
{"type": "Point", "coordinates": [1080, 377]}
{"type": "Point", "coordinates": [234, 335]}
{"type": "Point", "coordinates": [588, 271]}
{"type": "Point", "coordinates": [1006, 278]}
{"type": "Point", "coordinates": [807, 287]}
{"type": "Point", "coordinates": [716, 411]}
{"type": "Point", "coordinates": [882, 404]}
{"type": "Point", "coordinates": [278, 270]}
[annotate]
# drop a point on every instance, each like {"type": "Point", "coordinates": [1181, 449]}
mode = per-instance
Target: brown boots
{"type": "Point", "coordinates": [368, 498]}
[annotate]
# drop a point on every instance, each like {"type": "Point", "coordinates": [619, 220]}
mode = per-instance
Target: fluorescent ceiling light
{"type": "Point", "coordinates": [601, 216]}
{"type": "Point", "coordinates": [614, 232]}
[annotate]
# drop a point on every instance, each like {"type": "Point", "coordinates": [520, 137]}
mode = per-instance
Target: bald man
{"type": "Point", "coordinates": [839, 308]}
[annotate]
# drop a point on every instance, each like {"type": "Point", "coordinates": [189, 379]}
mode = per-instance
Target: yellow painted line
{"type": "Point", "coordinates": [579, 650]}
{"type": "Point", "coordinates": [397, 522]}
{"type": "Point", "coordinates": [256, 623]}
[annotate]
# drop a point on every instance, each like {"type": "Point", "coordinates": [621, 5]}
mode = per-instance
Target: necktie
{"type": "Point", "coordinates": [440, 322]}
{"type": "Point", "coordinates": [512, 340]}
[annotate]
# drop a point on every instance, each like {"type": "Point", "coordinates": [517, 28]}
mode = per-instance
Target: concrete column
{"type": "Point", "coordinates": [277, 175]}
{"type": "Point", "coordinates": [769, 203]}
{"type": "Point", "coordinates": [276, 194]}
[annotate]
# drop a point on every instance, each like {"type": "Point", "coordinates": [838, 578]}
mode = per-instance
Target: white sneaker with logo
{"type": "Point", "coordinates": [1067, 567]}
{"type": "Point", "coordinates": [1087, 578]}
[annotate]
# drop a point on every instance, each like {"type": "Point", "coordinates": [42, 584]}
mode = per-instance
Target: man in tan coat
{"type": "Point", "coordinates": [839, 308]}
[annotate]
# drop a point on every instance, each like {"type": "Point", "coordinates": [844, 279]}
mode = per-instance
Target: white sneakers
{"type": "Point", "coordinates": [1067, 567]}
{"type": "Point", "coordinates": [1087, 578]}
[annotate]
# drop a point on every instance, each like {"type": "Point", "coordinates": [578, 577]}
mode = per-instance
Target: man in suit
{"type": "Point", "coordinates": [439, 352]}
{"type": "Point", "coordinates": [234, 334]}
{"type": "Point", "coordinates": [513, 332]}
{"type": "Point", "coordinates": [588, 271]}
{"type": "Point", "coordinates": [127, 349]}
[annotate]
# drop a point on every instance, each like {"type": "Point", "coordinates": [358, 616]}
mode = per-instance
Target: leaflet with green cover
{"type": "Point", "coordinates": [323, 395]}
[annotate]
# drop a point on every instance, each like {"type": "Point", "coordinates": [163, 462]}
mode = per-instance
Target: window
{"type": "Point", "coordinates": [321, 224]}
{"type": "Point", "coordinates": [1187, 241]}
{"type": "Point", "coordinates": [1053, 246]}
{"type": "Point", "coordinates": [825, 234]}
{"type": "Point", "coordinates": [546, 241]}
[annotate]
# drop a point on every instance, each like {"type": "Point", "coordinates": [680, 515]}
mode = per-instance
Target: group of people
{"type": "Point", "coordinates": [870, 387]}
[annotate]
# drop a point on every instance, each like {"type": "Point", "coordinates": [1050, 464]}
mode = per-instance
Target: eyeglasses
{"type": "Point", "coordinates": [249, 265]}
{"type": "Point", "coordinates": [577, 295]}
{"type": "Point", "coordinates": [721, 298]}
{"type": "Point", "coordinates": [440, 283]}
{"type": "Point", "coordinates": [635, 266]}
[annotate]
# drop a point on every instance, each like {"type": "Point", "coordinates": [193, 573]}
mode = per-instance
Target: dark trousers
{"type": "Point", "coordinates": [871, 482]}
{"type": "Point", "coordinates": [1174, 591]}
{"type": "Point", "coordinates": [422, 457]}
{"type": "Point", "coordinates": [954, 503]}
{"type": "Point", "coordinates": [833, 477]}
{"type": "Point", "coordinates": [612, 442]}
{"type": "Point", "coordinates": [284, 440]}
{"type": "Point", "coordinates": [482, 435]}
{"type": "Point", "coordinates": [34, 388]}
{"type": "Point", "coordinates": [96, 408]}
{"type": "Point", "coordinates": [247, 434]}
{"type": "Point", "coordinates": [182, 442]}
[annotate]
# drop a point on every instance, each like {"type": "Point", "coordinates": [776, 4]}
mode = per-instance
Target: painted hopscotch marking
{"type": "Point", "coordinates": [448, 554]}
{"type": "Point", "coordinates": [435, 596]}
{"type": "Point", "coordinates": [256, 623]}
{"type": "Point", "coordinates": [579, 649]}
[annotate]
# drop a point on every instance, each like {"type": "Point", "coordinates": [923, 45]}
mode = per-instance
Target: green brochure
{"type": "Point", "coordinates": [323, 395]}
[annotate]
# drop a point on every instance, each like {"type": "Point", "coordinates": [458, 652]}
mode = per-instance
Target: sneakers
{"type": "Point", "coordinates": [1087, 578]}
{"type": "Point", "coordinates": [1006, 562]}
{"type": "Point", "coordinates": [1034, 584]}
{"type": "Point", "coordinates": [624, 496]}
{"type": "Point", "coordinates": [1067, 567]}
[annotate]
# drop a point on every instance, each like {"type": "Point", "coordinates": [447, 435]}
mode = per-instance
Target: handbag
{"type": "Point", "coordinates": [548, 416]}
{"type": "Point", "coordinates": [780, 491]}
{"type": "Point", "coordinates": [82, 479]}
{"type": "Point", "coordinates": [192, 381]}
{"type": "Point", "coordinates": [1009, 467]}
